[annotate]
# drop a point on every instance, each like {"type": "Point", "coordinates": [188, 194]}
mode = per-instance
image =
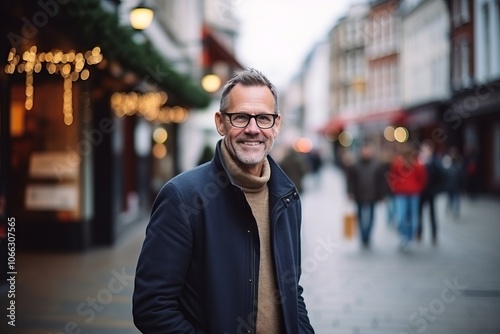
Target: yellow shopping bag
{"type": "Point", "coordinates": [350, 221]}
{"type": "Point", "coordinates": [349, 225]}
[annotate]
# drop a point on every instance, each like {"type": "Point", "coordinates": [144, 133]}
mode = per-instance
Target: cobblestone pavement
{"type": "Point", "coordinates": [453, 287]}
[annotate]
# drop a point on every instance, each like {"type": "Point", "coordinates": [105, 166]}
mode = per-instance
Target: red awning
{"type": "Point", "coordinates": [214, 51]}
{"type": "Point", "coordinates": [333, 126]}
{"type": "Point", "coordinates": [384, 118]}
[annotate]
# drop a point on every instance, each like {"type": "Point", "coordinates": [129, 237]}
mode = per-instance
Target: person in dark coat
{"type": "Point", "coordinates": [222, 247]}
{"type": "Point", "coordinates": [471, 171]}
{"type": "Point", "coordinates": [364, 187]}
{"type": "Point", "coordinates": [386, 158]}
{"type": "Point", "coordinates": [454, 176]}
{"type": "Point", "coordinates": [434, 184]}
{"type": "Point", "coordinates": [295, 165]}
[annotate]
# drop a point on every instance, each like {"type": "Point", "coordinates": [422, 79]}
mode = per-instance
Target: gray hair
{"type": "Point", "coordinates": [248, 77]}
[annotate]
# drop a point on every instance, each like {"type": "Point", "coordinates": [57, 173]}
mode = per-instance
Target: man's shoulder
{"type": "Point", "coordinates": [199, 177]}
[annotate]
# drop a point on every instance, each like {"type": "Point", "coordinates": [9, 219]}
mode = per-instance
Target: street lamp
{"type": "Point", "coordinates": [141, 16]}
{"type": "Point", "coordinates": [211, 83]}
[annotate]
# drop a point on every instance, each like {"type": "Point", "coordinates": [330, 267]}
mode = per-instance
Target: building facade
{"type": "Point", "coordinates": [425, 69]}
{"type": "Point", "coordinates": [384, 107]}
{"type": "Point", "coordinates": [473, 116]}
{"type": "Point", "coordinates": [348, 80]}
{"type": "Point", "coordinates": [82, 94]}
{"type": "Point", "coordinates": [220, 27]}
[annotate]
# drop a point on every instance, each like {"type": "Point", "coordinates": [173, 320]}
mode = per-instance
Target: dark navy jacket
{"type": "Point", "coordinates": [199, 265]}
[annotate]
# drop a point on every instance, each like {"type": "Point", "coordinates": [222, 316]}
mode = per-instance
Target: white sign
{"type": "Point", "coordinates": [54, 165]}
{"type": "Point", "coordinates": [52, 197]}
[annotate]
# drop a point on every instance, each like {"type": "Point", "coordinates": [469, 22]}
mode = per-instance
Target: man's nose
{"type": "Point", "coordinates": [252, 126]}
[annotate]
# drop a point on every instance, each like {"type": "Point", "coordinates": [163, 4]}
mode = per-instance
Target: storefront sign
{"type": "Point", "coordinates": [46, 165]}
{"type": "Point", "coordinates": [52, 197]}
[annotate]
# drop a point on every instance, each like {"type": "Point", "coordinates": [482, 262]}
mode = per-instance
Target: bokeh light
{"type": "Point", "coordinates": [159, 151]}
{"type": "Point", "coordinates": [303, 145]}
{"type": "Point", "coordinates": [210, 83]}
{"type": "Point", "coordinates": [345, 138]}
{"type": "Point", "coordinates": [401, 134]}
{"type": "Point", "coordinates": [389, 133]}
{"type": "Point", "coordinates": [160, 135]}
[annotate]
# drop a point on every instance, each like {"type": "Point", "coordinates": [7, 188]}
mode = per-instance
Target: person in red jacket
{"type": "Point", "coordinates": [407, 178]}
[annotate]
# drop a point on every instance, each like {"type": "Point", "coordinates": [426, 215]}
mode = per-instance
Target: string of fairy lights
{"type": "Point", "coordinates": [70, 66]}
{"type": "Point", "coordinates": [149, 105]}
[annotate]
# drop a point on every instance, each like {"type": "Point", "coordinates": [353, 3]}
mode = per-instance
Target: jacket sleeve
{"type": "Point", "coordinates": [162, 267]}
{"type": "Point", "coordinates": [305, 326]}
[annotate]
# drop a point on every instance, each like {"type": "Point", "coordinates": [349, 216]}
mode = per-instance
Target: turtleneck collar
{"type": "Point", "coordinates": [246, 181]}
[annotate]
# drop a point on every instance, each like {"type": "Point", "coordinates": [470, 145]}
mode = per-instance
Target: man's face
{"type": "Point", "coordinates": [249, 145]}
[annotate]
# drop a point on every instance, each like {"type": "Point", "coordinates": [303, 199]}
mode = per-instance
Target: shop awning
{"type": "Point", "coordinates": [214, 51]}
{"type": "Point", "coordinates": [381, 119]}
{"type": "Point", "coordinates": [333, 126]}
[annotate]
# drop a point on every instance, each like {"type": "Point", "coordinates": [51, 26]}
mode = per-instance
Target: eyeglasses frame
{"type": "Point", "coordinates": [230, 115]}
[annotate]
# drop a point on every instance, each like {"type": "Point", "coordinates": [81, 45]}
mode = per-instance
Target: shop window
{"type": "Point", "coordinates": [46, 157]}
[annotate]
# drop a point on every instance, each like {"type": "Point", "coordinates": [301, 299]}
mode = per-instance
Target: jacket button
{"type": "Point", "coordinates": [295, 194]}
{"type": "Point", "coordinates": [250, 280]}
{"type": "Point", "coordinates": [287, 201]}
{"type": "Point", "coordinates": [248, 231]}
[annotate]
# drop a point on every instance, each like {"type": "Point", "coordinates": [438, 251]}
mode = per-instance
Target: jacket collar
{"type": "Point", "coordinates": [279, 183]}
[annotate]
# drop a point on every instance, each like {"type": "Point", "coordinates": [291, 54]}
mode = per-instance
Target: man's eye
{"type": "Point", "coordinates": [240, 118]}
{"type": "Point", "coordinates": [265, 118]}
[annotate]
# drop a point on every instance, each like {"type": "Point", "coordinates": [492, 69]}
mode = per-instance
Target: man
{"type": "Point", "coordinates": [222, 248]}
{"type": "Point", "coordinates": [364, 186]}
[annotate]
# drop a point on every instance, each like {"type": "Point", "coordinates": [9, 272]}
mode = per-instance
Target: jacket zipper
{"type": "Point", "coordinates": [253, 288]}
{"type": "Point", "coordinates": [253, 272]}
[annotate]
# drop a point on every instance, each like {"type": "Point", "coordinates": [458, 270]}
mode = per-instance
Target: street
{"type": "Point", "coordinates": [453, 287]}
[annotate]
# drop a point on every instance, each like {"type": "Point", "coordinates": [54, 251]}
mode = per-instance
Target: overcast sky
{"type": "Point", "coordinates": [276, 35]}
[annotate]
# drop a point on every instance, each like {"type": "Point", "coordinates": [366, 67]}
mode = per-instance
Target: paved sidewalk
{"type": "Point", "coordinates": [453, 287]}
{"type": "Point", "coordinates": [77, 293]}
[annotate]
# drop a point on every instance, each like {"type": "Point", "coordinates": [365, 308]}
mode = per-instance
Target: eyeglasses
{"type": "Point", "coordinates": [241, 120]}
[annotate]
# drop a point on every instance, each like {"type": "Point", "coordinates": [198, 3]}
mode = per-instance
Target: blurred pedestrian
{"type": "Point", "coordinates": [454, 175]}
{"type": "Point", "coordinates": [433, 167]}
{"type": "Point", "coordinates": [386, 158]}
{"type": "Point", "coordinates": [407, 178]}
{"type": "Point", "coordinates": [364, 187]}
{"type": "Point", "coordinates": [315, 163]}
{"type": "Point", "coordinates": [222, 247]}
{"type": "Point", "coordinates": [471, 171]}
{"type": "Point", "coordinates": [295, 165]}
{"type": "Point", "coordinates": [346, 159]}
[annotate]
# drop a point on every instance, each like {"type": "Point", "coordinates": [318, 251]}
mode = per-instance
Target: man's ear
{"type": "Point", "coordinates": [277, 125]}
{"type": "Point", "coordinates": [219, 124]}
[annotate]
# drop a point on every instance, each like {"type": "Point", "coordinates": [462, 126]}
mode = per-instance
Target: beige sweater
{"type": "Point", "coordinates": [269, 317]}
